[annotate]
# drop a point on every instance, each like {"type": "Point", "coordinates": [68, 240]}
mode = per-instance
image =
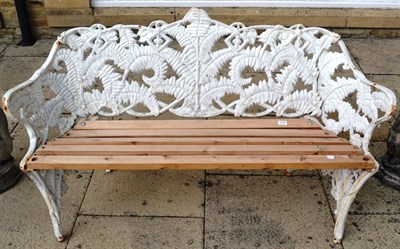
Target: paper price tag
{"type": "Point", "coordinates": [282, 122]}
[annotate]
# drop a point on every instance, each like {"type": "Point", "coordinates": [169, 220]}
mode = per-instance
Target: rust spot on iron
{"type": "Point", "coordinates": [373, 86]}
{"type": "Point", "coordinates": [23, 167]}
{"type": "Point", "coordinates": [3, 104]}
{"type": "Point", "coordinates": [288, 173]}
{"type": "Point", "coordinates": [392, 110]}
{"type": "Point", "coordinates": [336, 241]}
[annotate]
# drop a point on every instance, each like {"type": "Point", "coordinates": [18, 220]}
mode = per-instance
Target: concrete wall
{"type": "Point", "coordinates": [48, 17]}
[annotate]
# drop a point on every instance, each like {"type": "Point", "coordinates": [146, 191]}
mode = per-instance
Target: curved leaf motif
{"type": "Point", "coordinates": [380, 101]}
{"type": "Point", "coordinates": [127, 37]}
{"type": "Point", "coordinates": [366, 103]}
{"type": "Point", "coordinates": [282, 54]}
{"type": "Point", "coordinates": [150, 62]}
{"type": "Point", "coordinates": [216, 90]}
{"type": "Point", "coordinates": [175, 87]}
{"type": "Point", "coordinates": [327, 64]}
{"type": "Point", "coordinates": [263, 94]}
{"type": "Point", "coordinates": [209, 41]}
{"type": "Point", "coordinates": [288, 78]}
{"type": "Point", "coordinates": [133, 94]}
{"type": "Point", "coordinates": [199, 23]}
{"type": "Point", "coordinates": [253, 58]}
{"type": "Point", "coordinates": [300, 102]}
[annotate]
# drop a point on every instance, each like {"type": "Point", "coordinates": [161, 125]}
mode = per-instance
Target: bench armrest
{"type": "Point", "coordinates": [37, 107]}
{"type": "Point", "coordinates": [370, 105]}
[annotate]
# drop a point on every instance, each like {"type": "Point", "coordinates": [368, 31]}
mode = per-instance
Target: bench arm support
{"type": "Point", "coordinates": [355, 105]}
{"type": "Point", "coordinates": [49, 183]}
{"type": "Point", "coordinates": [34, 104]}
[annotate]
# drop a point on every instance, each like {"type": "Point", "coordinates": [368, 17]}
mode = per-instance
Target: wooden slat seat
{"type": "Point", "coordinates": [199, 144]}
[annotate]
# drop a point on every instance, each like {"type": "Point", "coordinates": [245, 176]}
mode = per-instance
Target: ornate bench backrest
{"type": "Point", "coordinates": [198, 64]}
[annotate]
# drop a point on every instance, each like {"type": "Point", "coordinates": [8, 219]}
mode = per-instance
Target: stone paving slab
{"type": "Point", "coordinates": [25, 220]}
{"type": "Point", "coordinates": [376, 56]}
{"type": "Point", "coordinates": [20, 142]}
{"type": "Point", "coordinates": [155, 193]}
{"type": "Point", "coordinates": [373, 198]}
{"type": "Point", "coordinates": [2, 47]}
{"type": "Point", "coordinates": [381, 133]}
{"type": "Point", "coordinates": [40, 49]}
{"type": "Point", "coordinates": [267, 212]}
{"type": "Point", "coordinates": [372, 231]}
{"type": "Point", "coordinates": [6, 39]}
{"type": "Point", "coordinates": [136, 232]}
{"type": "Point", "coordinates": [4, 42]}
{"type": "Point", "coordinates": [378, 149]}
{"type": "Point", "coordinates": [16, 70]}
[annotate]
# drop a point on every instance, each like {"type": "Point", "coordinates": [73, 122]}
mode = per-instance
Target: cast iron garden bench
{"type": "Point", "coordinates": [302, 79]}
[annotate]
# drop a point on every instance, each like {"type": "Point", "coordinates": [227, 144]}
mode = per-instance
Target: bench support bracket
{"type": "Point", "coordinates": [345, 186]}
{"type": "Point", "coordinates": [50, 184]}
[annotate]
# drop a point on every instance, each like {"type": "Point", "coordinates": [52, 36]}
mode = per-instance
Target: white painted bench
{"type": "Point", "coordinates": [199, 68]}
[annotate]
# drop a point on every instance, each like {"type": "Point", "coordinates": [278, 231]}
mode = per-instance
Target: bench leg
{"type": "Point", "coordinates": [49, 184]}
{"type": "Point", "coordinates": [345, 186]}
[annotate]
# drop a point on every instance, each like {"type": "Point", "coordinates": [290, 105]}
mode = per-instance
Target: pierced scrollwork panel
{"type": "Point", "coordinates": [342, 183]}
{"type": "Point", "coordinates": [101, 70]}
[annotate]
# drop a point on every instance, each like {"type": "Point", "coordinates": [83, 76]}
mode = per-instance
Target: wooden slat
{"type": "Point", "coordinates": [199, 144]}
{"type": "Point", "coordinates": [195, 140]}
{"type": "Point", "coordinates": [200, 162]}
{"type": "Point", "coordinates": [196, 124]}
{"type": "Point", "coordinates": [202, 133]}
{"type": "Point", "coordinates": [198, 150]}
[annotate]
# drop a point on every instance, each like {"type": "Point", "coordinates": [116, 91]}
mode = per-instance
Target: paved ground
{"type": "Point", "coordinates": [197, 209]}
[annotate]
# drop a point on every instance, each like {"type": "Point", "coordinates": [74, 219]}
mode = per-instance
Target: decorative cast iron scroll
{"type": "Point", "coordinates": [298, 66]}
